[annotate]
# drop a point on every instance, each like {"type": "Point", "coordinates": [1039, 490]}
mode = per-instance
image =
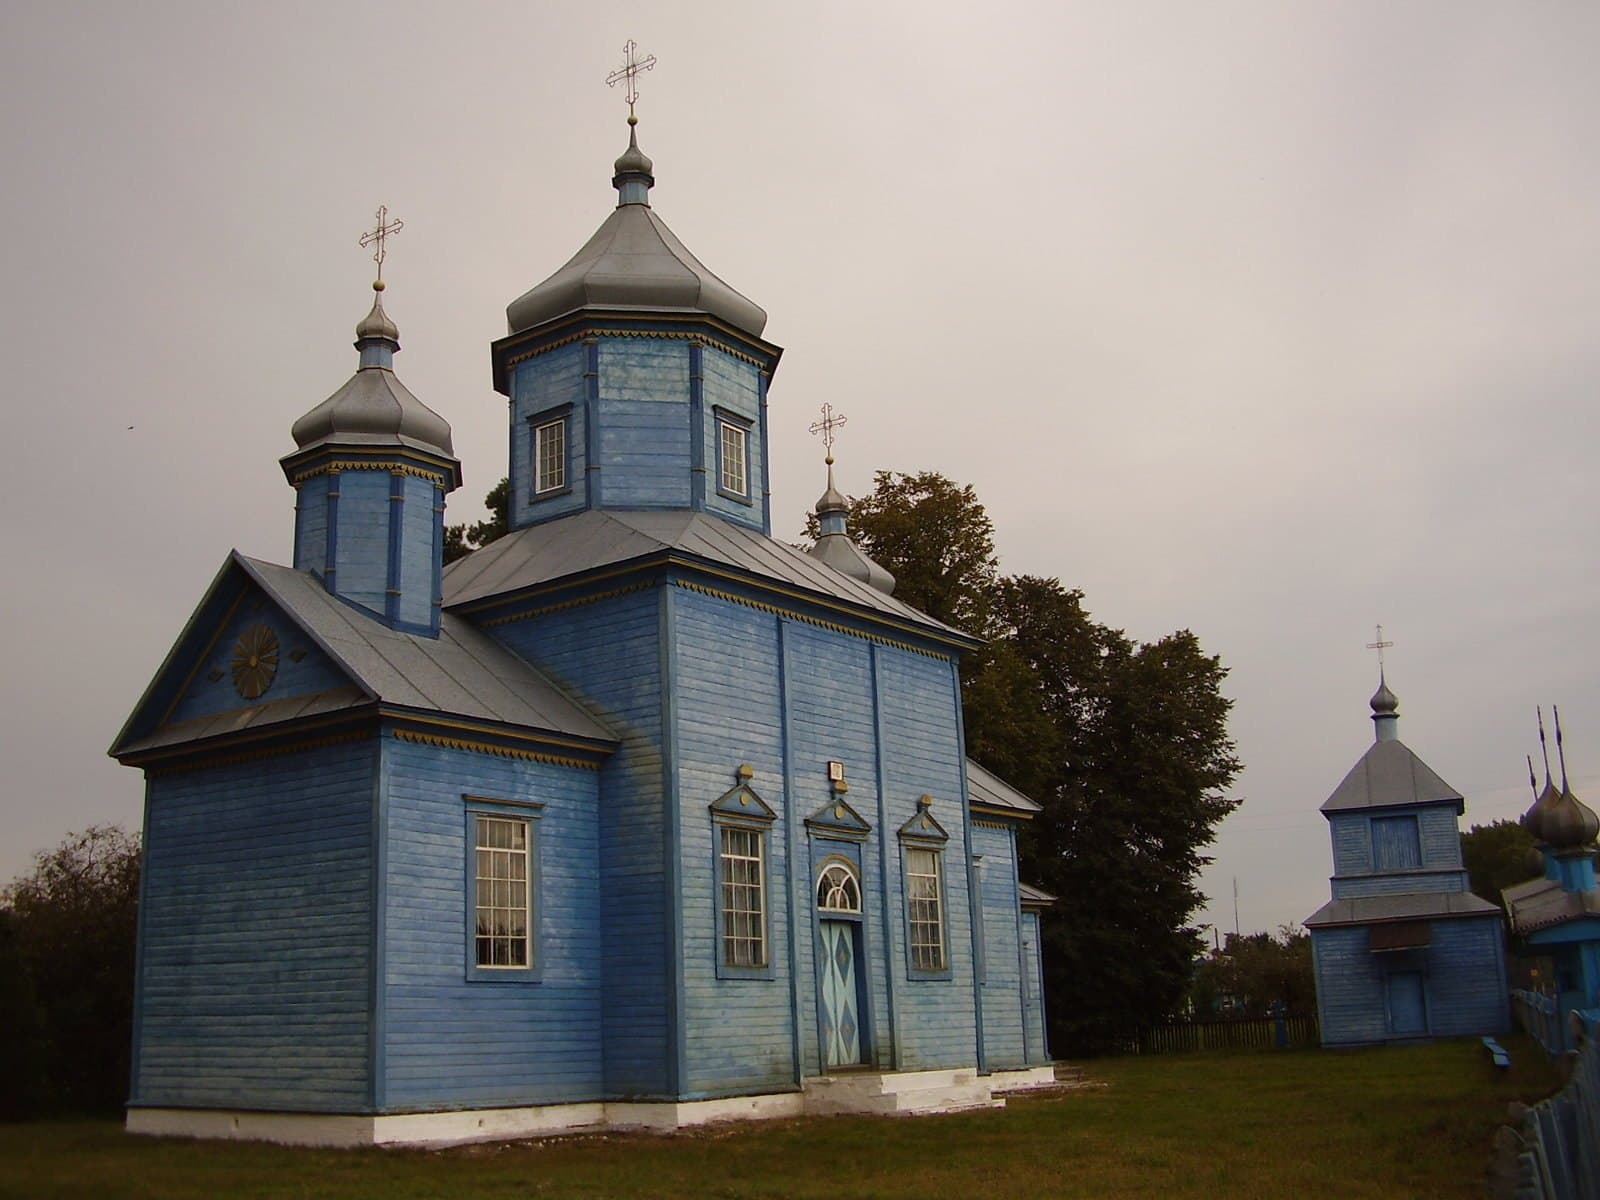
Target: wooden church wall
{"type": "Point", "coordinates": [735, 388]}
{"type": "Point", "coordinates": [255, 948]}
{"type": "Point", "coordinates": [542, 385]}
{"type": "Point", "coordinates": [1001, 969]}
{"type": "Point", "coordinates": [1350, 1000]}
{"type": "Point", "coordinates": [727, 711]}
{"type": "Point", "coordinates": [1033, 990]}
{"type": "Point", "coordinates": [1467, 988]}
{"type": "Point", "coordinates": [609, 654]}
{"type": "Point", "coordinates": [494, 1039]}
{"type": "Point", "coordinates": [1352, 838]}
{"type": "Point", "coordinates": [1395, 885]}
{"type": "Point", "coordinates": [643, 423]}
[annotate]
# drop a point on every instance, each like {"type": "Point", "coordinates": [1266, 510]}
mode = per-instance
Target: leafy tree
{"type": "Point", "coordinates": [461, 540]}
{"type": "Point", "coordinates": [1125, 744]}
{"type": "Point", "coordinates": [1254, 972]}
{"type": "Point", "coordinates": [1496, 856]}
{"type": "Point", "coordinates": [66, 967]}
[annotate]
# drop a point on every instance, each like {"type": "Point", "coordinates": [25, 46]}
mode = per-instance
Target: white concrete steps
{"type": "Point", "coordinates": [899, 1093]}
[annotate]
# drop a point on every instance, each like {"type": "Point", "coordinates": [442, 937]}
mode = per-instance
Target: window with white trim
{"type": "Point", "coordinates": [502, 893]}
{"type": "Point", "coordinates": [733, 460]}
{"type": "Point", "coordinates": [550, 456]}
{"type": "Point", "coordinates": [744, 918]}
{"type": "Point", "coordinates": [925, 909]}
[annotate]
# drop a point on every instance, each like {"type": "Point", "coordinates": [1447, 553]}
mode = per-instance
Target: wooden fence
{"type": "Point", "coordinates": [1264, 1033]}
{"type": "Point", "coordinates": [1552, 1152]}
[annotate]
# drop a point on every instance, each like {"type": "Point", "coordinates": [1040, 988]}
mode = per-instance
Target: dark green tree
{"type": "Point", "coordinates": [1496, 856]}
{"type": "Point", "coordinates": [1253, 973]}
{"type": "Point", "coordinates": [1125, 744]}
{"type": "Point", "coordinates": [72, 926]}
{"type": "Point", "coordinates": [461, 540]}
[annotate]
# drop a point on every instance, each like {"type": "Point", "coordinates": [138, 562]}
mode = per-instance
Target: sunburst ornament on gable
{"type": "Point", "coordinates": [255, 661]}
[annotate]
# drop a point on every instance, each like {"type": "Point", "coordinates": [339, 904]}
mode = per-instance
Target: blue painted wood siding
{"type": "Point", "coordinates": [1464, 981]}
{"type": "Point", "coordinates": [255, 976]}
{"type": "Point", "coordinates": [1399, 884]}
{"type": "Point", "coordinates": [1003, 1040]}
{"type": "Point", "coordinates": [1033, 990]}
{"type": "Point", "coordinates": [737, 1032]}
{"type": "Point", "coordinates": [643, 423]}
{"type": "Point", "coordinates": [449, 1041]}
{"type": "Point", "coordinates": [542, 384]}
{"type": "Point", "coordinates": [205, 696]}
{"type": "Point", "coordinates": [1354, 850]}
{"type": "Point", "coordinates": [736, 387]}
{"type": "Point", "coordinates": [608, 654]}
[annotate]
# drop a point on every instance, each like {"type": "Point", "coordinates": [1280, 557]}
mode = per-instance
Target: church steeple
{"type": "Point", "coordinates": [370, 472]}
{"type": "Point", "coordinates": [834, 546]}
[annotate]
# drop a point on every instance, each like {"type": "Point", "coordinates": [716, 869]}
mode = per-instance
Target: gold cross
{"type": "Point", "coordinates": [1380, 646]}
{"type": "Point", "coordinates": [384, 230]}
{"type": "Point", "coordinates": [629, 71]}
{"type": "Point", "coordinates": [827, 425]}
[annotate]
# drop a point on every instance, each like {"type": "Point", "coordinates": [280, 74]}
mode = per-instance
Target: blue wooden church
{"type": "Point", "coordinates": [637, 816]}
{"type": "Point", "coordinates": [1556, 916]}
{"type": "Point", "coordinates": [1403, 951]}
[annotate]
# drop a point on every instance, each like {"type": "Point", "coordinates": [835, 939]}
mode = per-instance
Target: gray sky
{"type": "Point", "coordinates": [1272, 321]}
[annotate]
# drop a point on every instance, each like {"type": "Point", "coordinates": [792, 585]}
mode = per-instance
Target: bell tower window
{"type": "Point", "coordinates": [733, 475]}
{"type": "Point", "coordinates": [550, 456]}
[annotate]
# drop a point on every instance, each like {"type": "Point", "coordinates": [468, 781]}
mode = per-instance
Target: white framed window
{"type": "Point", "coordinates": [743, 876]}
{"type": "Point", "coordinates": [550, 456]}
{"type": "Point", "coordinates": [925, 910]}
{"type": "Point", "coordinates": [733, 473]}
{"type": "Point", "coordinates": [838, 889]}
{"type": "Point", "coordinates": [502, 893]}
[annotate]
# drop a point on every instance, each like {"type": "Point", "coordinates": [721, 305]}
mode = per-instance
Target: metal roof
{"type": "Point", "coordinates": [984, 787]}
{"type": "Point", "coordinates": [1033, 895]}
{"type": "Point", "coordinates": [1409, 906]}
{"type": "Point", "coordinates": [634, 262]}
{"type": "Point", "coordinates": [1541, 903]}
{"type": "Point", "coordinates": [1389, 774]}
{"type": "Point", "coordinates": [586, 541]}
{"type": "Point", "coordinates": [462, 672]}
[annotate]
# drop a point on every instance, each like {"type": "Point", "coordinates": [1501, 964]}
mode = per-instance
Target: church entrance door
{"type": "Point", "coordinates": [840, 999]}
{"type": "Point", "coordinates": [1407, 1011]}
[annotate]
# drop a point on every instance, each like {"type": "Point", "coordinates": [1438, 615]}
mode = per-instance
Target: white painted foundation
{"type": "Point", "coordinates": [1023, 1080]}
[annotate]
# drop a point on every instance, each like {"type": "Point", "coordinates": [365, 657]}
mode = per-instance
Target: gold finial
{"type": "Point", "coordinates": [830, 421]}
{"type": "Point", "coordinates": [629, 72]}
{"type": "Point", "coordinates": [377, 236]}
{"type": "Point", "coordinates": [1380, 646]}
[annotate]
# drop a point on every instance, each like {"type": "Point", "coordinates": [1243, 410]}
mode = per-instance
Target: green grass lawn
{"type": "Point", "coordinates": [1412, 1122]}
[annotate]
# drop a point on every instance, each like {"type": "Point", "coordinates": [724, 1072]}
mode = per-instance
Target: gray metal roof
{"type": "Point", "coordinates": [1389, 774]}
{"type": "Point", "coordinates": [985, 787]}
{"type": "Point", "coordinates": [634, 261]}
{"type": "Point", "coordinates": [373, 408]}
{"type": "Point", "coordinates": [585, 541]}
{"type": "Point", "coordinates": [1541, 903]}
{"type": "Point", "coordinates": [1033, 895]}
{"type": "Point", "coordinates": [462, 672]}
{"type": "Point", "coordinates": [1409, 906]}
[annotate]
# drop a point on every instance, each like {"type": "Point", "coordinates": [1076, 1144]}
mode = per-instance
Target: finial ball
{"type": "Point", "coordinates": [378, 285]}
{"type": "Point", "coordinates": [632, 120]}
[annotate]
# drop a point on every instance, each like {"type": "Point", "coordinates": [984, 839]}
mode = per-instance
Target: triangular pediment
{"type": "Point", "coordinates": [742, 802]}
{"type": "Point", "coordinates": [923, 827]}
{"type": "Point", "coordinates": [838, 819]}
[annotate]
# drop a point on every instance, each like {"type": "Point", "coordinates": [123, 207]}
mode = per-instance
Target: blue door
{"type": "Point", "coordinates": [1406, 1011]}
{"type": "Point", "coordinates": [841, 1012]}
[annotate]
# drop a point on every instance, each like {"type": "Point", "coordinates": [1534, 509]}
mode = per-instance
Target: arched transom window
{"type": "Point", "coordinates": [838, 890]}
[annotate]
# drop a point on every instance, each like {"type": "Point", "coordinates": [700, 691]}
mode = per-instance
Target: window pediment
{"type": "Point", "coordinates": [741, 803]}
{"type": "Point", "coordinates": [924, 827]}
{"type": "Point", "coordinates": [837, 819]}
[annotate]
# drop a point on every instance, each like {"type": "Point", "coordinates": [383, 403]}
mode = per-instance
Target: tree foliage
{"type": "Point", "coordinates": [461, 540]}
{"type": "Point", "coordinates": [1125, 744]}
{"type": "Point", "coordinates": [67, 933]}
{"type": "Point", "coordinates": [1496, 856]}
{"type": "Point", "coordinates": [1255, 972]}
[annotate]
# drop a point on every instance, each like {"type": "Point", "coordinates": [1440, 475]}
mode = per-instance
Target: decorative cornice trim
{"type": "Point", "coordinates": [590, 333]}
{"type": "Point", "coordinates": [243, 756]}
{"type": "Point", "coordinates": [454, 743]}
{"type": "Point", "coordinates": [1004, 814]}
{"type": "Point", "coordinates": [572, 602]}
{"type": "Point", "coordinates": [335, 466]}
{"type": "Point", "coordinates": [777, 610]}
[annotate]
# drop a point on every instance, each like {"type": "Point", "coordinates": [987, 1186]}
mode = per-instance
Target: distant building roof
{"type": "Point", "coordinates": [1390, 774]}
{"type": "Point", "coordinates": [1033, 895]}
{"type": "Point", "coordinates": [1409, 906]}
{"type": "Point", "coordinates": [984, 787]}
{"type": "Point", "coordinates": [1541, 903]}
{"type": "Point", "coordinates": [463, 671]}
{"type": "Point", "coordinates": [570, 546]}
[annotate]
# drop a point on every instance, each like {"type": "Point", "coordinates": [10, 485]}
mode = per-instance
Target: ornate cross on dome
{"type": "Point", "coordinates": [1380, 646]}
{"type": "Point", "coordinates": [377, 236]}
{"type": "Point", "coordinates": [629, 71]}
{"type": "Point", "coordinates": [830, 421]}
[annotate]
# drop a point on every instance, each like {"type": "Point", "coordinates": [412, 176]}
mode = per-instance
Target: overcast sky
{"type": "Point", "coordinates": [1272, 321]}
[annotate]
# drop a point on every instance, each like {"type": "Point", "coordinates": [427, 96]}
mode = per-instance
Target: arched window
{"type": "Point", "coordinates": [838, 890]}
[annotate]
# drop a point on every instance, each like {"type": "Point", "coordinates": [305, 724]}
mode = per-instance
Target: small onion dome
{"type": "Point", "coordinates": [835, 548]}
{"type": "Point", "coordinates": [633, 161]}
{"type": "Point", "coordinates": [1533, 819]}
{"type": "Point", "coordinates": [1569, 823]}
{"type": "Point", "coordinates": [1384, 702]}
{"type": "Point", "coordinates": [376, 324]}
{"type": "Point", "coordinates": [832, 500]}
